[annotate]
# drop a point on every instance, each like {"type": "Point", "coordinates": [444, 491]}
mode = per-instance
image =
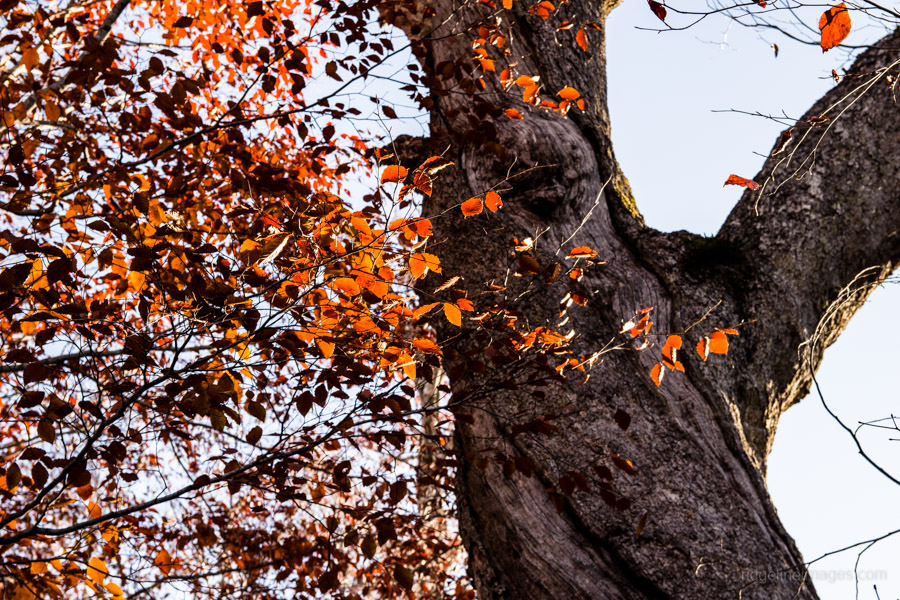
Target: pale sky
{"type": "Point", "coordinates": [676, 153]}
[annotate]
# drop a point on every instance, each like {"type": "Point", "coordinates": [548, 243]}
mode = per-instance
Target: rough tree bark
{"type": "Point", "coordinates": [699, 442]}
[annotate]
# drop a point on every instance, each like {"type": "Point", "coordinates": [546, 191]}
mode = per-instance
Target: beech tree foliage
{"type": "Point", "coordinates": [223, 373]}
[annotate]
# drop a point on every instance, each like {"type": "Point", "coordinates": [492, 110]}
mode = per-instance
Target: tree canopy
{"type": "Point", "coordinates": [224, 374]}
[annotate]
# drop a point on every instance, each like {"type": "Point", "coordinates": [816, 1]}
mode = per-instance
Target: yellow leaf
{"type": "Point", "coordinates": [114, 589]}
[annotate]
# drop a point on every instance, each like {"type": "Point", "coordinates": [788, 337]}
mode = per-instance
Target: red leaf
{"type": "Point", "coordinates": [835, 26]}
{"type": "Point", "coordinates": [735, 180]}
{"type": "Point", "coordinates": [658, 9]}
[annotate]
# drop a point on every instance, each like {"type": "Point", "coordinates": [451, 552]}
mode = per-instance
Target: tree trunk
{"type": "Point", "coordinates": [699, 441]}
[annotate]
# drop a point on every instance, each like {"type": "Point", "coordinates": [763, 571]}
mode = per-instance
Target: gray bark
{"type": "Point", "coordinates": [699, 442]}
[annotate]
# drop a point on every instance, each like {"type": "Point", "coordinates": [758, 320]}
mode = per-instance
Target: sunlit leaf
{"type": "Point", "coordinates": [835, 26]}
{"type": "Point", "coordinates": [393, 174]}
{"type": "Point", "coordinates": [96, 570]}
{"type": "Point", "coordinates": [451, 311]}
{"type": "Point", "coordinates": [741, 181]}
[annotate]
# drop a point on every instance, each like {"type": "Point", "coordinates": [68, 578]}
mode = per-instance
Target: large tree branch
{"type": "Point", "coordinates": [828, 210]}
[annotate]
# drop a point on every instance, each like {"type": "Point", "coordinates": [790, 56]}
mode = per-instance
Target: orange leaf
{"type": "Point", "coordinates": [465, 304]}
{"type": "Point", "coordinates": [581, 40]}
{"type": "Point", "coordinates": [507, 4]}
{"type": "Point", "coordinates": [526, 81]}
{"type": "Point", "coordinates": [718, 343]}
{"type": "Point", "coordinates": [472, 207]}
{"type": "Point", "coordinates": [735, 180]}
{"type": "Point", "coordinates": [703, 349]}
{"type": "Point", "coordinates": [346, 286]}
{"type": "Point", "coordinates": [393, 173]}
{"type": "Point", "coordinates": [452, 313]}
{"type": "Point", "coordinates": [424, 309]}
{"type": "Point", "coordinates": [513, 114]}
{"type": "Point", "coordinates": [421, 263]}
{"type": "Point", "coordinates": [327, 349]}
{"type": "Point", "coordinates": [674, 341]}
{"type": "Point", "coordinates": [96, 570]}
{"type": "Point", "coordinates": [581, 252]}
{"type": "Point", "coordinates": [835, 26]}
{"type": "Point", "coordinates": [568, 93]}
{"type": "Point", "coordinates": [657, 374]}
{"type": "Point", "coordinates": [493, 201]}
{"type": "Point", "coordinates": [163, 562]}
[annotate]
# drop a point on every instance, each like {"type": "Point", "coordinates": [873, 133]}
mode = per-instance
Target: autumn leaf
{"type": "Point", "coordinates": [835, 26]}
{"type": "Point", "coordinates": [658, 9]}
{"type": "Point", "coordinates": [582, 252]}
{"type": "Point", "coordinates": [472, 207]}
{"type": "Point", "coordinates": [163, 562]}
{"type": "Point", "coordinates": [657, 373]}
{"type": "Point", "coordinates": [741, 181]}
{"type": "Point", "coordinates": [426, 345]}
{"type": "Point", "coordinates": [421, 263]}
{"type": "Point", "coordinates": [393, 174]}
{"type": "Point", "coordinates": [581, 40]}
{"type": "Point", "coordinates": [453, 314]}
{"type": "Point", "coordinates": [493, 201]}
{"type": "Point", "coordinates": [718, 343]}
{"type": "Point", "coordinates": [346, 286]}
{"type": "Point", "coordinates": [513, 114]}
{"type": "Point", "coordinates": [568, 93]}
{"type": "Point", "coordinates": [703, 348]}
{"type": "Point", "coordinates": [96, 570]}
